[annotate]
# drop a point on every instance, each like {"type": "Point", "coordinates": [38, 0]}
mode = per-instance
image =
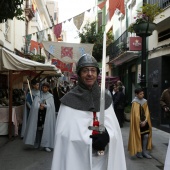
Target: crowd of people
{"type": "Point", "coordinates": [59, 119]}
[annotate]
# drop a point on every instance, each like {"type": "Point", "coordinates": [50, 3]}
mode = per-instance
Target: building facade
{"type": "Point", "coordinates": [125, 56]}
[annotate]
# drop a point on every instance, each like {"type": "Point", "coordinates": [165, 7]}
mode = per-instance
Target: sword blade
{"type": "Point", "coordinates": [102, 97]}
{"type": "Point", "coordinates": [30, 89]}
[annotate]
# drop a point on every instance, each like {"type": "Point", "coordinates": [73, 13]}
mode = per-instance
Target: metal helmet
{"type": "Point", "coordinates": [87, 60]}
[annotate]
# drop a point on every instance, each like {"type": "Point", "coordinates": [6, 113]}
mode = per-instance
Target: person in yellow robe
{"type": "Point", "coordinates": [140, 135]}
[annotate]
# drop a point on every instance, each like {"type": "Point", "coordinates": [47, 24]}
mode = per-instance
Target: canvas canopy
{"type": "Point", "coordinates": [11, 61]}
{"type": "Point", "coordinates": [67, 52]}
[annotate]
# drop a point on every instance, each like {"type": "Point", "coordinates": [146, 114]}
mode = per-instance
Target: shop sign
{"type": "Point", "coordinates": [135, 43]}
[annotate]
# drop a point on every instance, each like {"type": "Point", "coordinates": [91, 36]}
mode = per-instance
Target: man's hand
{"type": "Point", "coordinates": [100, 141]}
{"type": "Point", "coordinates": [42, 106]}
{"type": "Point", "coordinates": [142, 124]}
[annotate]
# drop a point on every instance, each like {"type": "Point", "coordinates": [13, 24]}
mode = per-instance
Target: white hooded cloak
{"type": "Point", "coordinates": [73, 146]}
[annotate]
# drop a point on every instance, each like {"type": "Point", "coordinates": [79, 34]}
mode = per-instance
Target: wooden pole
{"type": "Point", "coordinates": [10, 106]}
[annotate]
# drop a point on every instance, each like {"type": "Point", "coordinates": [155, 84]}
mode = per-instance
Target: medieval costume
{"type": "Point", "coordinates": [167, 159]}
{"type": "Point", "coordinates": [41, 124]}
{"type": "Point", "coordinates": [74, 149]}
{"type": "Point", "coordinates": [140, 138]}
{"type": "Point", "coordinates": [27, 106]}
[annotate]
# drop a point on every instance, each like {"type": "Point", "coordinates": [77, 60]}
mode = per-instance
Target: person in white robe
{"type": "Point", "coordinates": [76, 146]}
{"type": "Point", "coordinates": [167, 159]}
{"type": "Point", "coordinates": [40, 130]}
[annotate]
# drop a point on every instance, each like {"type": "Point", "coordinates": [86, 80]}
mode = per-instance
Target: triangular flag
{"type": "Point", "coordinates": [88, 10]}
{"type": "Point", "coordinates": [101, 5]}
{"type": "Point", "coordinates": [78, 20]}
{"type": "Point", "coordinates": [69, 19]}
{"type": "Point", "coordinates": [113, 4]}
{"type": "Point", "coordinates": [57, 30]}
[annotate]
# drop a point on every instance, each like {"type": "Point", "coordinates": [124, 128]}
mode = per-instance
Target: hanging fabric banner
{"type": "Point", "coordinates": [67, 52]}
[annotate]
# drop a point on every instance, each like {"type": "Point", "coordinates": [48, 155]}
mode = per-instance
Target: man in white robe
{"type": "Point", "coordinates": [167, 159]}
{"type": "Point", "coordinates": [75, 145]}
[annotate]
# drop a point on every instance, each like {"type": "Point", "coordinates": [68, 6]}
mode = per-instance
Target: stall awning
{"type": "Point", "coordinates": [11, 61]}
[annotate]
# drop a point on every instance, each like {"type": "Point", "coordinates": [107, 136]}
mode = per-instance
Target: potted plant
{"type": "Point", "coordinates": [38, 58]}
{"type": "Point", "coordinates": [144, 21]}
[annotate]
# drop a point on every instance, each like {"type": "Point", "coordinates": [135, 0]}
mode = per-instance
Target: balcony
{"type": "Point", "coordinates": [29, 13]}
{"type": "Point", "coordinates": [119, 50]}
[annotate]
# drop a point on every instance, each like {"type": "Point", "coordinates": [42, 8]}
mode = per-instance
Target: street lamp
{"type": "Point", "coordinates": [144, 30]}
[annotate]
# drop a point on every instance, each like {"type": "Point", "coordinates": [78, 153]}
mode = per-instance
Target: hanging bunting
{"type": "Point", "coordinates": [78, 20]}
{"type": "Point", "coordinates": [57, 30]}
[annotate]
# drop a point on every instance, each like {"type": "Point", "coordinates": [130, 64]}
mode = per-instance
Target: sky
{"type": "Point", "coordinates": [71, 8]}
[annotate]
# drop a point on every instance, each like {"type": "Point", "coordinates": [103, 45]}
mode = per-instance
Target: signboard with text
{"type": "Point", "coordinates": [135, 43]}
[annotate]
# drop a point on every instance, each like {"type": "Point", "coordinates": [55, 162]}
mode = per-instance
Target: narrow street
{"type": "Point", "coordinates": [14, 155]}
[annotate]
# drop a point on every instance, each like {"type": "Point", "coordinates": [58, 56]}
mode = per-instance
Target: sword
{"type": "Point", "coordinates": [102, 97]}
{"type": "Point", "coordinates": [30, 90]}
{"type": "Point", "coordinates": [101, 127]}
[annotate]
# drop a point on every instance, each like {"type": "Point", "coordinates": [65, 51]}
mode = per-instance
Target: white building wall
{"type": "Point", "coordinates": [153, 39]}
{"type": "Point", "coordinates": [12, 38]}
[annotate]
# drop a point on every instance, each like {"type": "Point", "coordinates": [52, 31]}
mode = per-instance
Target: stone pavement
{"type": "Point", "coordinates": [160, 141]}
{"type": "Point", "coordinates": [14, 155]}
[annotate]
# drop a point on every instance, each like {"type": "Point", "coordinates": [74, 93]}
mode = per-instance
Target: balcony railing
{"type": "Point", "coordinates": [119, 46]}
{"type": "Point", "coordinates": [162, 3]}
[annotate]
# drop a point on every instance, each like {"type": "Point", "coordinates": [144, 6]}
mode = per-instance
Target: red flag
{"type": "Point", "coordinates": [113, 4]}
{"type": "Point", "coordinates": [101, 5]}
{"type": "Point", "coordinates": [62, 66]}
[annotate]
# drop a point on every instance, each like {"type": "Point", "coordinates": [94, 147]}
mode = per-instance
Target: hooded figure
{"type": "Point", "coordinates": [40, 130]}
{"type": "Point", "coordinates": [28, 102]}
{"type": "Point", "coordinates": [75, 145]}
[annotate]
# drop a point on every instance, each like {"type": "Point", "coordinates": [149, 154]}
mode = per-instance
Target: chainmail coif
{"type": "Point", "coordinates": [81, 98]}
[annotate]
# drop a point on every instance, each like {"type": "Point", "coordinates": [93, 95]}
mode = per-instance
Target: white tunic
{"type": "Point", "coordinates": [73, 146]}
{"type": "Point", "coordinates": [167, 160]}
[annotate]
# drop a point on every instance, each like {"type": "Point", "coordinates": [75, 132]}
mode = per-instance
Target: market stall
{"type": "Point", "coordinates": [13, 67]}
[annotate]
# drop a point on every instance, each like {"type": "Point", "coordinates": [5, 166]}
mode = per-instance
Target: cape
{"type": "Point", "coordinates": [135, 144]}
{"type": "Point", "coordinates": [81, 98]}
{"type": "Point", "coordinates": [26, 110]}
{"type": "Point", "coordinates": [167, 159]}
{"type": "Point", "coordinates": [49, 124]}
{"type": "Point", "coordinates": [73, 146]}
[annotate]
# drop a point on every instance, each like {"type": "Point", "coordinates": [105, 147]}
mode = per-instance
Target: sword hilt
{"type": "Point", "coordinates": [100, 129]}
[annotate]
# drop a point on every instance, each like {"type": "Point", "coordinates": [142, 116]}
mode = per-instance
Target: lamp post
{"type": "Point", "coordinates": [144, 30]}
